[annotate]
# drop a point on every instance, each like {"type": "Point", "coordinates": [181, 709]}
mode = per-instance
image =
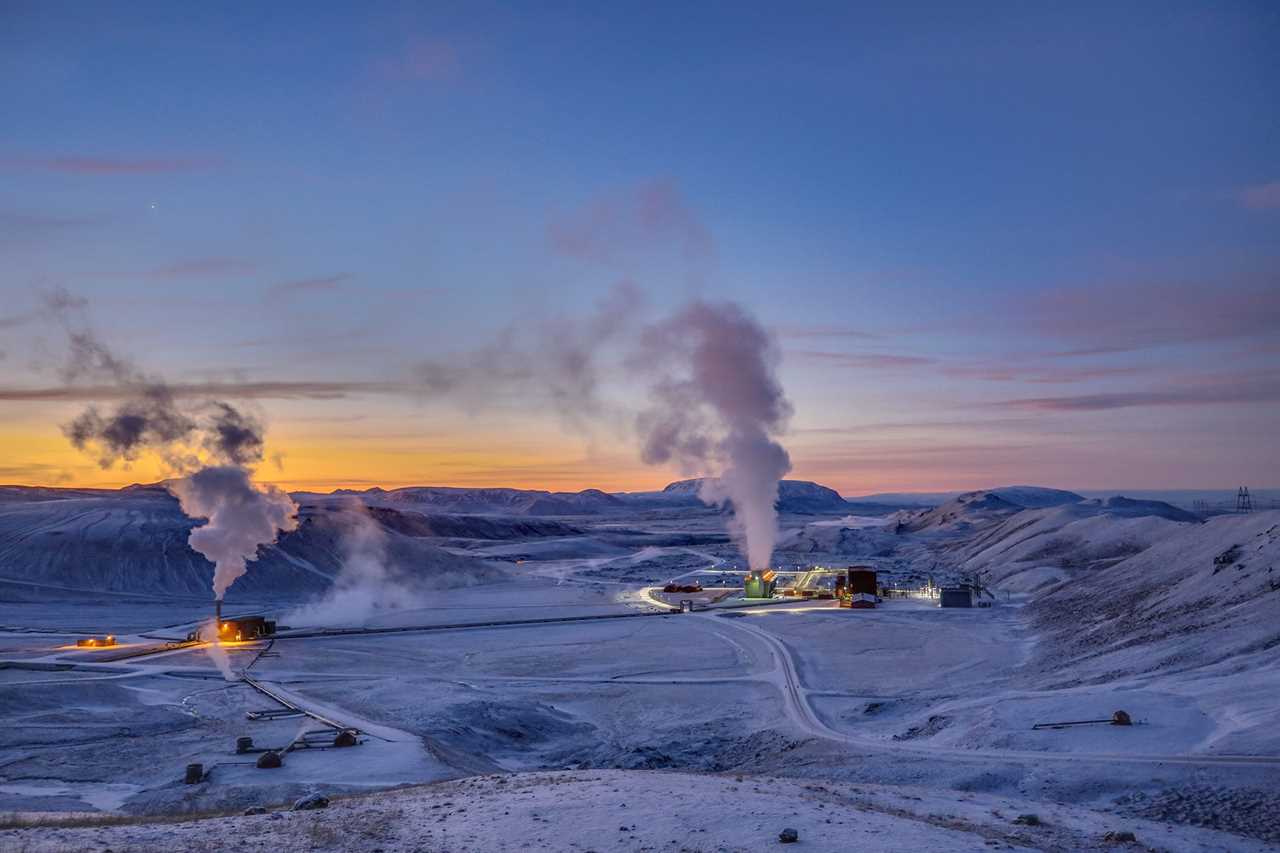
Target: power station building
{"type": "Point", "coordinates": [760, 583]}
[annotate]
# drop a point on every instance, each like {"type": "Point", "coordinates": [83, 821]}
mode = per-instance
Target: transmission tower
{"type": "Point", "coordinates": [1244, 503]}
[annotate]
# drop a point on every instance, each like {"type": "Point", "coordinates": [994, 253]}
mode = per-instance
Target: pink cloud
{"type": "Point", "coordinates": [107, 165]}
{"type": "Point", "coordinates": [1126, 316]}
{"type": "Point", "coordinates": [1261, 196]}
{"type": "Point", "coordinates": [1053, 374]}
{"type": "Point", "coordinates": [824, 331]}
{"type": "Point", "coordinates": [874, 361]}
{"type": "Point", "coordinates": [202, 267]}
{"type": "Point", "coordinates": [421, 58]}
{"type": "Point", "coordinates": [1215, 390]}
{"type": "Point", "coordinates": [649, 215]}
{"type": "Point", "coordinates": [310, 285]}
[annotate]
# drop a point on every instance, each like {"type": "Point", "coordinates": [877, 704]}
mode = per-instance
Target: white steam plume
{"type": "Point", "coordinates": [368, 581]}
{"type": "Point", "coordinates": [716, 405]}
{"type": "Point", "coordinates": [240, 516]}
{"type": "Point", "coordinates": [212, 637]}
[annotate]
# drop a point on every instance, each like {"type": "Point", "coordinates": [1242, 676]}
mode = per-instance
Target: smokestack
{"type": "Point", "coordinates": [217, 614]}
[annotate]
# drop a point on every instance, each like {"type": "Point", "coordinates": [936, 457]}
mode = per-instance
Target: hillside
{"type": "Point", "coordinates": [135, 541]}
{"type": "Point", "coordinates": [797, 496]}
{"type": "Point", "coordinates": [643, 810]}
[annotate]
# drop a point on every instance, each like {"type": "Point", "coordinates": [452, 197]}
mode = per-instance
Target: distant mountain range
{"type": "Point", "coordinates": [794, 496]}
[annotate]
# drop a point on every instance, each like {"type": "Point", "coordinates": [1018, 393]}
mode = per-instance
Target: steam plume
{"type": "Point", "coordinates": [368, 581]}
{"type": "Point", "coordinates": [716, 405]}
{"type": "Point", "coordinates": [240, 515]}
{"type": "Point", "coordinates": [213, 439]}
{"type": "Point", "coordinates": [213, 647]}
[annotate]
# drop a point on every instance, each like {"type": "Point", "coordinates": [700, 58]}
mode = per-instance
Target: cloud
{"type": "Point", "coordinates": [809, 332]}
{"type": "Point", "coordinates": [107, 165]}
{"type": "Point", "coordinates": [1260, 196]}
{"type": "Point", "coordinates": [871, 361]}
{"type": "Point", "coordinates": [202, 267]}
{"type": "Point", "coordinates": [35, 472]}
{"type": "Point", "coordinates": [428, 58]}
{"type": "Point", "coordinates": [1261, 388]}
{"type": "Point", "coordinates": [1126, 316]}
{"type": "Point", "coordinates": [1053, 374]}
{"type": "Point", "coordinates": [11, 221]}
{"type": "Point", "coordinates": [265, 390]}
{"type": "Point", "coordinates": [646, 216]}
{"type": "Point", "coordinates": [308, 285]}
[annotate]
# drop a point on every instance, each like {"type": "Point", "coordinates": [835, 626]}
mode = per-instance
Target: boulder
{"type": "Point", "coordinates": [312, 801]}
{"type": "Point", "coordinates": [252, 810]}
{"type": "Point", "coordinates": [270, 759]}
{"type": "Point", "coordinates": [788, 836]}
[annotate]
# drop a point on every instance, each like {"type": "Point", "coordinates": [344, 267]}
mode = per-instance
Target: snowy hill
{"type": "Point", "coordinates": [1035, 547]}
{"type": "Point", "coordinates": [1197, 609]}
{"type": "Point", "coordinates": [957, 515]}
{"type": "Point", "coordinates": [496, 501]}
{"type": "Point", "coordinates": [799, 496]}
{"type": "Point", "coordinates": [134, 541]}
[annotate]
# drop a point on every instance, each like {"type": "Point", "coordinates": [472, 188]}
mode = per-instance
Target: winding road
{"type": "Point", "coordinates": [786, 678]}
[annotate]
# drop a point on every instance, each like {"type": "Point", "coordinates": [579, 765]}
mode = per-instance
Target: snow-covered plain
{"type": "Point", "coordinates": [1098, 608]}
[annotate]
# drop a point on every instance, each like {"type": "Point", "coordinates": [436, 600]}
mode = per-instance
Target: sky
{"type": "Point", "coordinates": [995, 242]}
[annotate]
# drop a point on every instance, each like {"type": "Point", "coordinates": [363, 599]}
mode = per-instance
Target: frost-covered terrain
{"type": "Point", "coordinates": [520, 642]}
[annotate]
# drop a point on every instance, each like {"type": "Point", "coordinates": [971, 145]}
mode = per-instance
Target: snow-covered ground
{"type": "Point", "coordinates": [646, 810]}
{"type": "Point", "coordinates": [1098, 608]}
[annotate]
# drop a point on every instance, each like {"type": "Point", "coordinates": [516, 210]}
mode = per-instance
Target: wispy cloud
{"type": "Point", "coordinates": [812, 332]}
{"type": "Point", "coordinates": [650, 215]}
{"type": "Point", "coordinates": [872, 361]}
{"type": "Point", "coordinates": [11, 221]}
{"type": "Point", "coordinates": [1126, 316]}
{"type": "Point", "coordinates": [202, 267]}
{"type": "Point", "coordinates": [1261, 388]}
{"type": "Point", "coordinates": [82, 165]}
{"type": "Point", "coordinates": [429, 58]}
{"type": "Point", "coordinates": [1050, 375]}
{"type": "Point", "coordinates": [278, 390]}
{"type": "Point", "coordinates": [1261, 196]}
{"type": "Point", "coordinates": [308, 285]}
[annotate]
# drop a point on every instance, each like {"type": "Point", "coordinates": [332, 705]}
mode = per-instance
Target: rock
{"type": "Point", "coordinates": [269, 760]}
{"type": "Point", "coordinates": [252, 810]}
{"type": "Point", "coordinates": [314, 801]}
{"type": "Point", "coordinates": [346, 737]}
{"type": "Point", "coordinates": [788, 836]}
{"type": "Point", "coordinates": [1027, 819]}
{"type": "Point", "coordinates": [1121, 836]}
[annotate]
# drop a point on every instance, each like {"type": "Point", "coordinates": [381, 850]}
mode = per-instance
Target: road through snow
{"type": "Point", "coordinates": [795, 696]}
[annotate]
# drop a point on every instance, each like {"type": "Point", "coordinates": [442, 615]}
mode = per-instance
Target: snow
{"type": "Point", "coordinates": [1100, 606]}
{"type": "Point", "coordinates": [640, 810]}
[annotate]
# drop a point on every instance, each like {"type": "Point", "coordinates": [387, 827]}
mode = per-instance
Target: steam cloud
{"type": "Point", "coordinates": [716, 403]}
{"type": "Point", "coordinates": [218, 487]}
{"type": "Point", "coordinates": [240, 517]}
{"type": "Point", "coordinates": [716, 406]}
{"type": "Point", "coordinates": [368, 581]}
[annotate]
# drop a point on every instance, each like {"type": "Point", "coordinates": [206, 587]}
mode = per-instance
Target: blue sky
{"type": "Point", "coordinates": [997, 241]}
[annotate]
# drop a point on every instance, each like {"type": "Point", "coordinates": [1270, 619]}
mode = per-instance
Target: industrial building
{"type": "Point", "coordinates": [236, 628]}
{"type": "Point", "coordinates": [760, 583]}
{"type": "Point", "coordinates": [859, 590]}
{"type": "Point", "coordinates": [956, 596]}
